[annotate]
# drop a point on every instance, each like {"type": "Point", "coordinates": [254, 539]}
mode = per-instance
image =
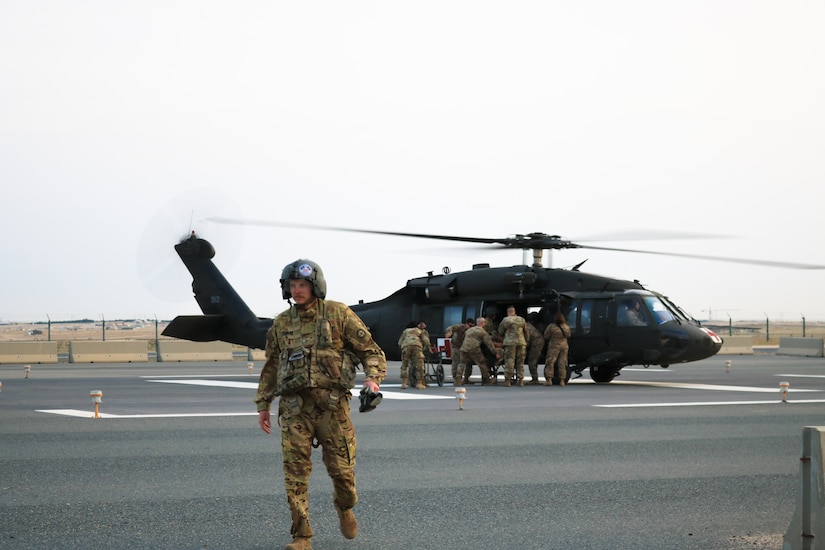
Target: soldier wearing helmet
{"type": "Point", "coordinates": [312, 352]}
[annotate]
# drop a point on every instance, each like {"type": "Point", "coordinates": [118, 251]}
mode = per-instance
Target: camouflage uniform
{"type": "Point", "coordinates": [471, 351]}
{"type": "Point", "coordinates": [413, 342]}
{"type": "Point", "coordinates": [310, 362]}
{"type": "Point", "coordinates": [514, 330]}
{"type": "Point", "coordinates": [557, 346]}
{"type": "Point", "coordinates": [456, 335]}
{"type": "Point", "coordinates": [535, 345]}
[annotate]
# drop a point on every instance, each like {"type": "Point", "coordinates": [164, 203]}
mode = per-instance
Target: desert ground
{"type": "Point", "coordinates": [763, 332]}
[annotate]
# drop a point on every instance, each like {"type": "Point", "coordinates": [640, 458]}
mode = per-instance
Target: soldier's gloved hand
{"type": "Point", "coordinates": [369, 399]}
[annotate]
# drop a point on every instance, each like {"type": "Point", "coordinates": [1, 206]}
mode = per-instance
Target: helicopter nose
{"type": "Point", "coordinates": [689, 343]}
{"type": "Point", "coordinates": [712, 340]}
{"type": "Point", "coordinates": [704, 343]}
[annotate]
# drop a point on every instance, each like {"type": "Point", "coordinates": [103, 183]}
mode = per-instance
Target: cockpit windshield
{"type": "Point", "coordinates": [661, 313]}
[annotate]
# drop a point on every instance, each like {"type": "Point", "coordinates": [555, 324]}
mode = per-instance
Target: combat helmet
{"type": "Point", "coordinates": [304, 269]}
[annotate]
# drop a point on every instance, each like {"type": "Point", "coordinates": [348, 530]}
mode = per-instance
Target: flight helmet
{"type": "Point", "coordinates": [304, 269]}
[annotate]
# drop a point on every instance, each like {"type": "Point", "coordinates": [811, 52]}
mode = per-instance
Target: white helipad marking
{"type": "Point", "coordinates": [91, 414]}
{"type": "Point", "coordinates": [713, 387]}
{"type": "Point", "coordinates": [212, 383]}
{"type": "Point", "coordinates": [801, 375]}
{"type": "Point", "coordinates": [631, 369]}
{"type": "Point", "coordinates": [201, 376]}
{"type": "Point", "coordinates": [707, 403]}
{"type": "Point", "coordinates": [420, 394]}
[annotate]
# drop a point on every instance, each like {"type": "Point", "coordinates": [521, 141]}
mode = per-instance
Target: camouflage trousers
{"type": "Point", "coordinates": [466, 361]}
{"type": "Point", "coordinates": [514, 361]}
{"type": "Point", "coordinates": [302, 419]}
{"type": "Point", "coordinates": [556, 357]}
{"type": "Point", "coordinates": [412, 357]}
{"type": "Point", "coordinates": [533, 358]}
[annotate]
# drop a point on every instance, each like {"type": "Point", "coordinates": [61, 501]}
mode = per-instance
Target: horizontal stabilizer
{"type": "Point", "coordinates": [196, 328]}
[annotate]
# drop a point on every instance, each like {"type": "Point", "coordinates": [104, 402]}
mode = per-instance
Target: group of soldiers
{"type": "Point", "coordinates": [514, 342]}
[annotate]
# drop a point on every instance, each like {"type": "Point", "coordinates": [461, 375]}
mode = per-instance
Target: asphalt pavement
{"type": "Point", "coordinates": [697, 456]}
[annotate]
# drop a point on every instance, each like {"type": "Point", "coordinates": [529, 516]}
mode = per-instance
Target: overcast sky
{"type": "Point", "coordinates": [124, 125]}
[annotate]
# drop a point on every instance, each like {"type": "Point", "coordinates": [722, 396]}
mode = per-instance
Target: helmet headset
{"type": "Point", "coordinates": [307, 270]}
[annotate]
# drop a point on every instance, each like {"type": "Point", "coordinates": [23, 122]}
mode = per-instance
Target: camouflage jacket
{"type": "Point", "coordinates": [556, 334]}
{"type": "Point", "coordinates": [324, 343]}
{"type": "Point", "coordinates": [534, 337]}
{"type": "Point", "coordinates": [514, 330]}
{"type": "Point", "coordinates": [414, 337]}
{"type": "Point", "coordinates": [474, 338]}
{"type": "Point", "coordinates": [456, 335]}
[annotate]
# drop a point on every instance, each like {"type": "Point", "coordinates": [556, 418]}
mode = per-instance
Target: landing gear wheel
{"type": "Point", "coordinates": [602, 375]}
{"type": "Point", "coordinates": [439, 374]}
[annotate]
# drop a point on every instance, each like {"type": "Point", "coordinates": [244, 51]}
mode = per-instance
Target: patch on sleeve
{"type": "Point", "coordinates": [361, 334]}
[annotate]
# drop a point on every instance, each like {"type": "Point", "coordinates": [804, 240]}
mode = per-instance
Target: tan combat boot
{"type": "Point", "coordinates": [421, 386]}
{"type": "Point", "coordinates": [347, 522]}
{"type": "Point", "coordinates": [299, 543]}
{"type": "Point", "coordinates": [404, 383]}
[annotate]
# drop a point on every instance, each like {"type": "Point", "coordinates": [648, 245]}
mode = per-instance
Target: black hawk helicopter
{"type": "Point", "coordinates": [605, 338]}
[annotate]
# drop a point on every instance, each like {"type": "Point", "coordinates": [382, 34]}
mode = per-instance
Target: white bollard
{"type": "Point", "coordinates": [250, 366]}
{"type": "Point", "coordinates": [727, 365]}
{"type": "Point", "coordinates": [97, 398]}
{"type": "Point", "coordinates": [783, 389]}
{"type": "Point", "coordinates": [461, 395]}
{"type": "Point", "coordinates": [27, 369]}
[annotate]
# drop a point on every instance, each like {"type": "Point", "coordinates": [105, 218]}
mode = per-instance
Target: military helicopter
{"type": "Point", "coordinates": [614, 323]}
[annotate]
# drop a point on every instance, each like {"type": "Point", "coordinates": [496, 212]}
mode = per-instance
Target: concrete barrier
{"type": "Point", "coordinates": [256, 355]}
{"type": "Point", "coordinates": [182, 350]}
{"type": "Point", "coordinates": [737, 345]}
{"type": "Point", "coordinates": [808, 522]}
{"type": "Point", "coordinates": [123, 351]}
{"type": "Point", "coordinates": [28, 352]}
{"type": "Point", "coordinates": [806, 347]}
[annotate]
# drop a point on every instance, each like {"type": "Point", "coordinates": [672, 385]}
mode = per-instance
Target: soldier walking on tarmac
{"type": "Point", "coordinates": [312, 350]}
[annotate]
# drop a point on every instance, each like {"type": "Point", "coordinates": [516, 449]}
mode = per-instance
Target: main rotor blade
{"type": "Point", "coordinates": [269, 223]}
{"type": "Point", "coordinates": [530, 241]}
{"type": "Point", "coordinates": [770, 263]}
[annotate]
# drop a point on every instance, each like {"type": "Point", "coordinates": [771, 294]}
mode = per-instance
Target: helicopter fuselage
{"type": "Point", "coordinates": [601, 340]}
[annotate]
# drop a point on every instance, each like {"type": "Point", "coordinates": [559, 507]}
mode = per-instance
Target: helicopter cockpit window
{"type": "Point", "coordinates": [629, 313]}
{"type": "Point", "coordinates": [586, 316]}
{"type": "Point", "coordinates": [573, 317]}
{"type": "Point", "coordinates": [453, 315]}
{"type": "Point", "coordinates": [659, 310]}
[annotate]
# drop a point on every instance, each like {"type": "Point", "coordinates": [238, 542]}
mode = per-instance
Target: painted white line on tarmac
{"type": "Point", "coordinates": [709, 403]}
{"type": "Point", "coordinates": [212, 383]}
{"type": "Point", "coordinates": [631, 369]}
{"type": "Point", "coordinates": [91, 414]}
{"type": "Point", "coordinates": [418, 395]}
{"type": "Point", "coordinates": [712, 387]}
{"type": "Point", "coordinates": [235, 375]}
